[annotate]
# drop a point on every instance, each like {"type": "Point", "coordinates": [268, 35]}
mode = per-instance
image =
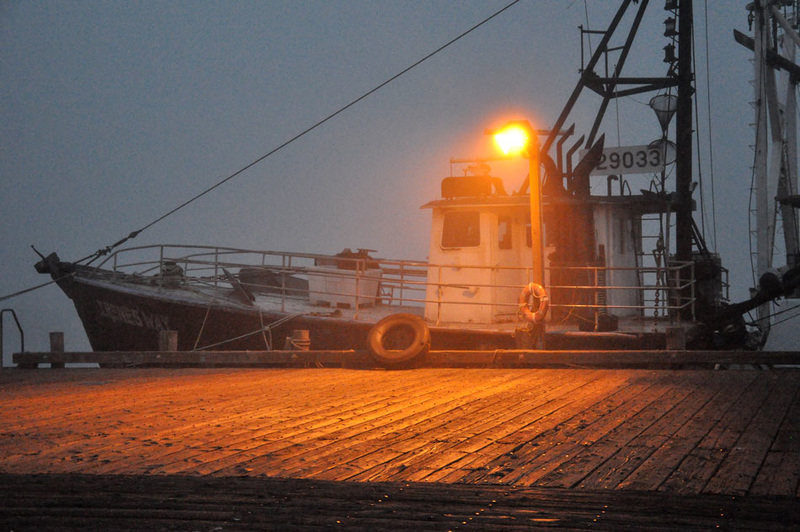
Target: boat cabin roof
{"type": "Point", "coordinates": [647, 202]}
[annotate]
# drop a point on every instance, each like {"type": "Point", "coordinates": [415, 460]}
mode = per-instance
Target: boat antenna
{"type": "Point", "coordinates": [104, 251]}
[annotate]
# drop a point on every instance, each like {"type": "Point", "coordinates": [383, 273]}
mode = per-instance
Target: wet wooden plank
{"type": "Point", "coordinates": [688, 431]}
{"type": "Point", "coordinates": [599, 439]}
{"type": "Point", "coordinates": [701, 463]}
{"type": "Point", "coordinates": [479, 426]}
{"type": "Point", "coordinates": [681, 438]}
{"type": "Point", "coordinates": [308, 421]}
{"type": "Point", "coordinates": [661, 439]}
{"type": "Point", "coordinates": [305, 423]}
{"type": "Point", "coordinates": [780, 472]}
{"type": "Point", "coordinates": [45, 502]}
{"type": "Point", "coordinates": [544, 447]}
{"type": "Point", "coordinates": [741, 465]}
{"type": "Point", "coordinates": [478, 430]}
{"type": "Point", "coordinates": [346, 441]}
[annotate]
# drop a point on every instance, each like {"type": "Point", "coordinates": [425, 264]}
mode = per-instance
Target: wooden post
{"type": "Point", "coordinates": [57, 346]}
{"type": "Point", "coordinates": [168, 340]}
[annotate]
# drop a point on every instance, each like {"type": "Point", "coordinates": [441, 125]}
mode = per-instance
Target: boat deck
{"type": "Point", "coordinates": [552, 447]}
{"type": "Point", "coordinates": [203, 295]}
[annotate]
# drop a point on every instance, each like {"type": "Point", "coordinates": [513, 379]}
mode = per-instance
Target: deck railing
{"type": "Point", "coordinates": [11, 311]}
{"type": "Point", "coordinates": [356, 282]}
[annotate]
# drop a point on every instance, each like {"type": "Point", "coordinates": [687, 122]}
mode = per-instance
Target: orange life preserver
{"type": "Point", "coordinates": [538, 291]}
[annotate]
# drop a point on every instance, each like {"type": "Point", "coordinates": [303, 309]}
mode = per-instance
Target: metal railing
{"type": "Point", "coordinates": [2, 338]}
{"type": "Point", "coordinates": [360, 282]}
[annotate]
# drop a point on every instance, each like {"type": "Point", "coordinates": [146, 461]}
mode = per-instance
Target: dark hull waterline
{"type": "Point", "coordinates": [121, 320]}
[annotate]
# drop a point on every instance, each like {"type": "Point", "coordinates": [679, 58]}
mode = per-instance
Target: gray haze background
{"type": "Point", "coordinates": [113, 113]}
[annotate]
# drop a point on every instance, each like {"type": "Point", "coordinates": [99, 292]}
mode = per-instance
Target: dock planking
{"type": "Point", "coordinates": [562, 448]}
{"type": "Point", "coordinates": [687, 431]}
{"type": "Point", "coordinates": [137, 502]}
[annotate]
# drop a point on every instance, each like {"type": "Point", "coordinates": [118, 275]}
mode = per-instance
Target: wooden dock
{"type": "Point", "coordinates": [432, 448]}
{"type": "Point", "coordinates": [498, 358]}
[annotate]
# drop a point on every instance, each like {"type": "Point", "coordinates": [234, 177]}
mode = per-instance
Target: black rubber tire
{"type": "Point", "coordinates": [418, 346]}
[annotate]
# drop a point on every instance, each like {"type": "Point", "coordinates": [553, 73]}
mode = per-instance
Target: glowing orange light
{"type": "Point", "coordinates": [512, 139]}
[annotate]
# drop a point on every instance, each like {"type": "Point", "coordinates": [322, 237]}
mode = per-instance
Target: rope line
{"type": "Point", "coordinates": [268, 328]}
{"type": "Point", "coordinates": [31, 289]}
{"type": "Point", "coordinates": [265, 330]}
{"type": "Point", "coordinates": [784, 311]}
{"type": "Point", "coordinates": [203, 325]}
{"type": "Point", "coordinates": [134, 234]}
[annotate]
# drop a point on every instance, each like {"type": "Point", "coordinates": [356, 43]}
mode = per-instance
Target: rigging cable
{"type": "Point", "coordinates": [784, 311]}
{"type": "Point", "coordinates": [710, 130]}
{"type": "Point", "coordinates": [267, 328]}
{"type": "Point", "coordinates": [31, 289]}
{"type": "Point", "coordinates": [134, 234]}
{"type": "Point", "coordinates": [588, 26]}
{"type": "Point", "coordinates": [695, 108]}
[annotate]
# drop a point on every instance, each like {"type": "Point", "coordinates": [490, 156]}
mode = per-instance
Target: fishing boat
{"type": "Point", "coordinates": [558, 263]}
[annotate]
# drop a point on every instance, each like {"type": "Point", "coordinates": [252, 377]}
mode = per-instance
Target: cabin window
{"type": "Point", "coordinates": [504, 232]}
{"type": "Point", "coordinates": [461, 229]}
{"type": "Point", "coordinates": [529, 235]}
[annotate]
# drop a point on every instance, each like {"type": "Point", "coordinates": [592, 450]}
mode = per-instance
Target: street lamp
{"type": "Point", "coordinates": [520, 137]}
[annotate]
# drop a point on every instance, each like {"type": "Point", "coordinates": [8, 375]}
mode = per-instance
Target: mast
{"type": "Point", "coordinates": [683, 135]}
{"type": "Point", "coordinates": [763, 245]}
{"type": "Point", "coordinates": [775, 167]}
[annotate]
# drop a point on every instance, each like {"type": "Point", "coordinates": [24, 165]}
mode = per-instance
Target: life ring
{"type": "Point", "coordinates": [398, 339]}
{"type": "Point", "coordinates": [538, 291]}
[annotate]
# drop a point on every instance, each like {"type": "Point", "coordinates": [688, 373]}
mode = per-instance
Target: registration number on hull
{"type": "Point", "coordinates": [629, 160]}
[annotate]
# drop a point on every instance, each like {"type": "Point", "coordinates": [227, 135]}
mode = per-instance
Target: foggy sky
{"type": "Point", "coordinates": [113, 113]}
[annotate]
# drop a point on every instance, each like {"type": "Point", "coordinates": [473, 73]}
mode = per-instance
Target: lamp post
{"type": "Point", "coordinates": [520, 137]}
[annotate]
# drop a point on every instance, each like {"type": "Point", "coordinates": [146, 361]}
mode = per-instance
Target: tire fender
{"type": "Point", "coordinates": [418, 347]}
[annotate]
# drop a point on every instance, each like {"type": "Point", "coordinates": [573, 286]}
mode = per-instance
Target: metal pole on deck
{"type": "Point", "coordinates": [19, 328]}
{"type": "Point", "coordinates": [537, 238]}
{"type": "Point", "coordinates": [519, 136]}
{"type": "Point", "coordinates": [537, 226]}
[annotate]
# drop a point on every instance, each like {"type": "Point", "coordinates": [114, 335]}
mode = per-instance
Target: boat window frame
{"type": "Point", "coordinates": [505, 233]}
{"type": "Point", "coordinates": [461, 229]}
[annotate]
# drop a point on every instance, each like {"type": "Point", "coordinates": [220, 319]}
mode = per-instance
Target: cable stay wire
{"type": "Point", "coordinates": [787, 318]}
{"type": "Point", "coordinates": [709, 135]}
{"type": "Point", "coordinates": [773, 315]}
{"type": "Point", "coordinates": [104, 251]}
{"type": "Point", "coordinates": [710, 129]}
{"type": "Point", "coordinates": [32, 288]}
{"type": "Point", "coordinates": [781, 312]}
{"type": "Point", "coordinates": [134, 234]}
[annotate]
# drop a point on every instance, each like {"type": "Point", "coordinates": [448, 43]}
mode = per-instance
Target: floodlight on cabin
{"type": "Point", "coordinates": [513, 138]}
